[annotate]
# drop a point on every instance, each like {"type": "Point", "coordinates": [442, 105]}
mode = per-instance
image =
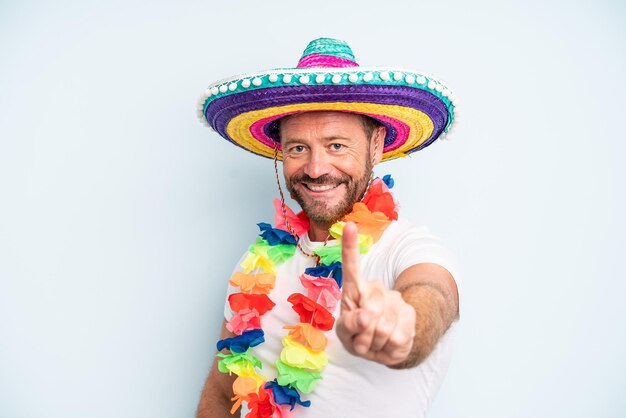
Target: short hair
{"type": "Point", "coordinates": [369, 126]}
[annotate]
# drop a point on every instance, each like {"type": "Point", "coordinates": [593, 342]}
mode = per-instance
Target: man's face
{"type": "Point", "coordinates": [326, 162]}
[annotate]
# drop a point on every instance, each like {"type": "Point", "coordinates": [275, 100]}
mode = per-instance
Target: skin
{"type": "Point", "coordinates": [215, 398]}
{"type": "Point", "coordinates": [327, 150]}
{"type": "Point", "coordinates": [396, 327]}
{"type": "Point", "coordinates": [325, 165]}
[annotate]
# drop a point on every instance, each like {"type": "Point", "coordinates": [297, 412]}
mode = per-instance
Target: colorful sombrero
{"type": "Point", "coordinates": [415, 108]}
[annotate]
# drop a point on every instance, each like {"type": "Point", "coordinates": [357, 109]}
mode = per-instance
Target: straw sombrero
{"type": "Point", "coordinates": [415, 108]}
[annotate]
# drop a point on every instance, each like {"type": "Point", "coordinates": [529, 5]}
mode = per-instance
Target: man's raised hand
{"type": "Point", "coordinates": [375, 322]}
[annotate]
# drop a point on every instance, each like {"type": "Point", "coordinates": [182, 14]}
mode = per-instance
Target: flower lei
{"type": "Point", "coordinates": [302, 358]}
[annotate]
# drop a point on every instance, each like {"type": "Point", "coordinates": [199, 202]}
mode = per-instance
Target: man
{"type": "Point", "coordinates": [370, 337]}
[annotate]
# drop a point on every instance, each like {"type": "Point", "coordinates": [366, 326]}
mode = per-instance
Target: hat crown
{"type": "Point", "coordinates": [329, 53]}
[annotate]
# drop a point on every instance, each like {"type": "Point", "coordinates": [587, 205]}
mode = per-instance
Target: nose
{"type": "Point", "coordinates": [318, 163]}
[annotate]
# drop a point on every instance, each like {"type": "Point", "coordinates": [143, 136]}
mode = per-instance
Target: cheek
{"type": "Point", "coordinates": [351, 167]}
{"type": "Point", "coordinates": [290, 168]}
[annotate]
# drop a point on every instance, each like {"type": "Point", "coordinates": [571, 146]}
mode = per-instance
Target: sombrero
{"type": "Point", "coordinates": [415, 108]}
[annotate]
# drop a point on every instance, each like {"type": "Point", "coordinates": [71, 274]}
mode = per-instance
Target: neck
{"type": "Point", "coordinates": [318, 232]}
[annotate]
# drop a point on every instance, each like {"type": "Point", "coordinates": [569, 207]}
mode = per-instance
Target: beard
{"type": "Point", "coordinates": [319, 210]}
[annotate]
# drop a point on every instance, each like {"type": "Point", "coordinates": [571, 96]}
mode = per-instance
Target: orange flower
{"type": "Point", "coordinates": [370, 223]}
{"type": "Point", "coordinates": [308, 335]}
{"type": "Point", "coordinates": [243, 387]}
{"type": "Point", "coordinates": [253, 283]}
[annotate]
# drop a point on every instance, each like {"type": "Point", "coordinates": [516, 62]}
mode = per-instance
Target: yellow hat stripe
{"type": "Point", "coordinates": [420, 125]}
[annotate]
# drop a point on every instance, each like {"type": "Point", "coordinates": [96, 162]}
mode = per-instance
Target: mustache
{"type": "Point", "coordinates": [323, 179]}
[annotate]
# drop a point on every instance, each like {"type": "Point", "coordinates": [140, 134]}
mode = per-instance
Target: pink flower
{"type": "Point", "coordinates": [322, 290]}
{"type": "Point", "coordinates": [244, 320]}
{"type": "Point", "coordinates": [299, 223]}
{"type": "Point", "coordinates": [380, 199]}
{"type": "Point", "coordinates": [280, 411]}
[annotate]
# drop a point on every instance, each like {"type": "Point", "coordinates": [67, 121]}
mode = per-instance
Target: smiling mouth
{"type": "Point", "coordinates": [319, 187]}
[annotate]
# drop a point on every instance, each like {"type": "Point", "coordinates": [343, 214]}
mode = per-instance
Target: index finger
{"type": "Point", "coordinates": [350, 265]}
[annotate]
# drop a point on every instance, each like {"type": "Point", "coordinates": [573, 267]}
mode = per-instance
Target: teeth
{"type": "Point", "coordinates": [320, 188]}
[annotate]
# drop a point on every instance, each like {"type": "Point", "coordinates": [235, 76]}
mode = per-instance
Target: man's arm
{"type": "Point", "coordinates": [432, 292]}
{"type": "Point", "coordinates": [399, 327]}
{"type": "Point", "coordinates": [215, 399]}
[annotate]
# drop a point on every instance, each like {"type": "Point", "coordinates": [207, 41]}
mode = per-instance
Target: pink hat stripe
{"type": "Point", "coordinates": [328, 61]}
{"type": "Point", "coordinates": [257, 129]}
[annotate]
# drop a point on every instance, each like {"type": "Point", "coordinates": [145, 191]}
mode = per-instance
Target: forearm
{"type": "Point", "coordinates": [215, 401]}
{"type": "Point", "coordinates": [435, 309]}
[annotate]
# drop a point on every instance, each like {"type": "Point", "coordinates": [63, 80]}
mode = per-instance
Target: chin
{"type": "Point", "coordinates": [321, 213]}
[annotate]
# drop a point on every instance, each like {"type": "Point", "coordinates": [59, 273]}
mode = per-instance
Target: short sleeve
{"type": "Point", "coordinates": [415, 245]}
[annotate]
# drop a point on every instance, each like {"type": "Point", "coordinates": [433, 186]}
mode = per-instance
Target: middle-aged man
{"type": "Point", "coordinates": [344, 309]}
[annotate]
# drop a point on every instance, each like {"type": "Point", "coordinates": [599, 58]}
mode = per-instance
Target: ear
{"type": "Point", "coordinates": [378, 142]}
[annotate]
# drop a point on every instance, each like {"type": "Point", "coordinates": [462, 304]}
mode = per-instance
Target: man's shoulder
{"type": "Point", "coordinates": [404, 227]}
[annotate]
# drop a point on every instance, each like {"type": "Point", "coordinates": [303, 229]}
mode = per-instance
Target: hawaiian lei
{"type": "Point", "coordinates": [302, 358]}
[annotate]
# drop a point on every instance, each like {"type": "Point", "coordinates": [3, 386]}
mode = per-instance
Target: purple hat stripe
{"type": "Point", "coordinates": [220, 111]}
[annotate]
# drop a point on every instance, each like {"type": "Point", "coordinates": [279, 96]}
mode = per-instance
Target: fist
{"type": "Point", "coordinates": [375, 322]}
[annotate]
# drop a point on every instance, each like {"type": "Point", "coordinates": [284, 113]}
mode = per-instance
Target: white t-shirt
{"type": "Point", "coordinates": [352, 386]}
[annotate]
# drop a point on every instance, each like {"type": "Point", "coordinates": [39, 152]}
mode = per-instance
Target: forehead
{"type": "Point", "coordinates": [322, 124]}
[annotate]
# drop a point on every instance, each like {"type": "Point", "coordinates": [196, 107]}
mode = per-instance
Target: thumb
{"type": "Point", "coordinates": [351, 286]}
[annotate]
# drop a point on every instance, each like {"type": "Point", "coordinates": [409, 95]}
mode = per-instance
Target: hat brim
{"type": "Point", "coordinates": [415, 109]}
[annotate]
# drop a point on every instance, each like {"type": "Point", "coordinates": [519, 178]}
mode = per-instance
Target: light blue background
{"type": "Point", "coordinates": [121, 216]}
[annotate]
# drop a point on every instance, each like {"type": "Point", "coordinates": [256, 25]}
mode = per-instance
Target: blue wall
{"type": "Point", "coordinates": [121, 216]}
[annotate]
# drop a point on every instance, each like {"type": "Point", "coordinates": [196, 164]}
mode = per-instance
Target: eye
{"type": "Point", "coordinates": [336, 146]}
{"type": "Point", "coordinates": [297, 149]}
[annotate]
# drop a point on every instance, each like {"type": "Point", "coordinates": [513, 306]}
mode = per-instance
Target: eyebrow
{"type": "Point", "coordinates": [325, 139]}
{"type": "Point", "coordinates": [335, 137]}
